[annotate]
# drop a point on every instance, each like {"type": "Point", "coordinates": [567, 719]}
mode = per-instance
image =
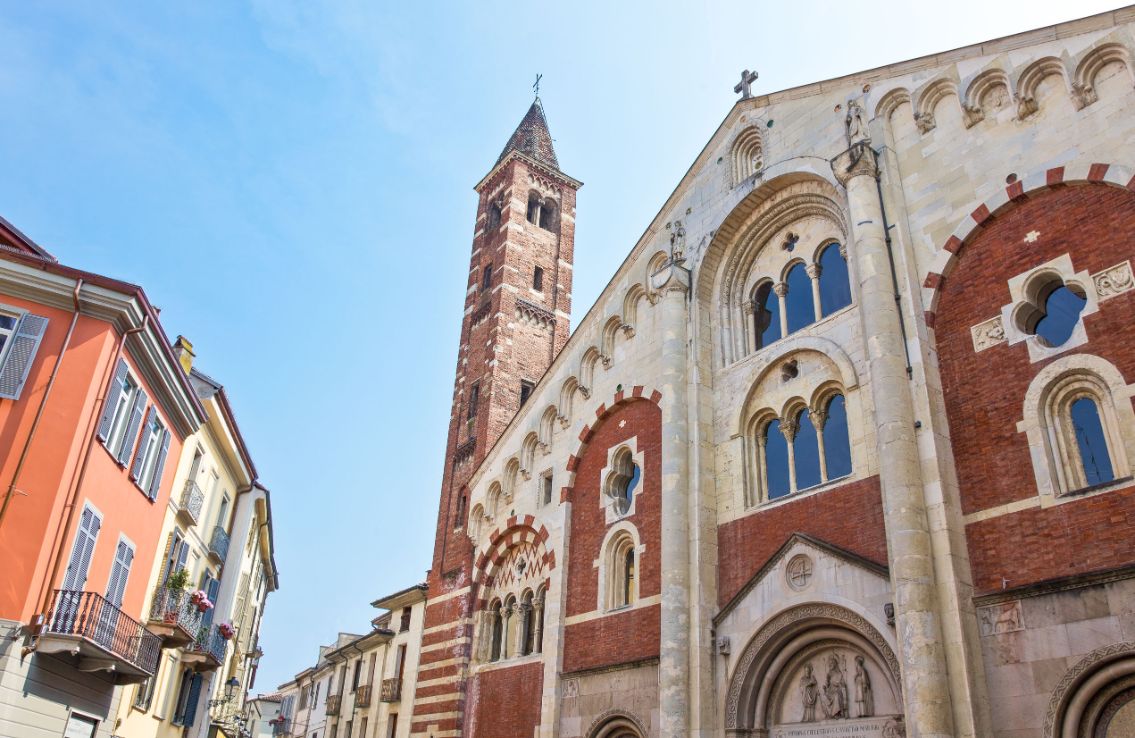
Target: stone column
{"type": "Point", "coordinates": [813, 272]}
{"type": "Point", "coordinates": [538, 631]}
{"type": "Point", "coordinates": [788, 430]}
{"type": "Point", "coordinates": [780, 289]}
{"type": "Point", "coordinates": [926, 691]}
{"type": "Point", "coordinates": [673, 282]}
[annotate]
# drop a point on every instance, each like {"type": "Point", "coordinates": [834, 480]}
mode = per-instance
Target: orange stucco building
{"type": "Point", "coordinates": [94, 410]}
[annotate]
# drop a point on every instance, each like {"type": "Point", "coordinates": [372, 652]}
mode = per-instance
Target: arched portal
{"type": "Point", "coordinates": [1096, 697]}
{"type": "Point", "coordinates": [815, 667]}
{"type": "Point", "coordinates": [616, 724]}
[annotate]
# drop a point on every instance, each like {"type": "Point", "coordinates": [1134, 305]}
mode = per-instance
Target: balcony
{"type": "Point", "coordinates": [103, 637]}
{"type": "Point", "coordinates": [362, 696]}
{"type": "Point", "coordinates": [281, 727]}
{"type": "Point", "coordinates": [207, 652]}
{"type": "Point", "coordinates": [219, 545]}
{"type": "Point", "coordinates": [392, 690]}
{"type": "Point", "coordinates": [334, 702]}
{"type": "Point", "coordinates": [174, 617]}
{"type": "Point", "coordinates": [192, 500]}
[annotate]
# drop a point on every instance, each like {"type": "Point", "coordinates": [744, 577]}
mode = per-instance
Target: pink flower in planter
{"type": "Point", "coordinates": [226, 630]}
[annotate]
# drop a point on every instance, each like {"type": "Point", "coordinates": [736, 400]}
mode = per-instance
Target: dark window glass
{"type": "Point", "coordinates": [547, 482]}
{"type": "Point", "coordinates": [494, 216]}
{"type": "Point", "coordinates": [1090, 439]}
{"type": "Point", "coordinates": [474, 397]}
{"type": "Point", "coordinates": [798, 303]}
{"type": "Point", "coordinates": [487, 277]}
{"type": "Point", "coordinates": [1061, 312]}
{"type": "Point", "coordinates": [534, 210]}
{"type": "Point", "coordinates": [632, 485]}
{"type": "Point", "coordinates": [525, 391]}
{"type": "Point", "coordinates": [776, 461]}
{"type": "Point", "coordinates": [837, 447]}
{"type": "Point", "coordinates": [835, 287]}
{"type": "Point", "coordinates": [538, 279]}
{"type": "Point", "coordinates": [806, 451]}
{"type": "Point", "coordinates": [766, 315]}
{"type": "Point", "coordinates": [628, 577]}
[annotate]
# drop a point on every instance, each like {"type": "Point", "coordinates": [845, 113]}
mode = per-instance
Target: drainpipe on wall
{"type": "Point", "coordinates": [42, 404]}
{"type": "Point", "coordinates": [70, 506]}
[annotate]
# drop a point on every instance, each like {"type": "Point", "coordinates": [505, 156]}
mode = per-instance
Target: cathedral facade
{"type": "Point", "coordinates": [844, 448]}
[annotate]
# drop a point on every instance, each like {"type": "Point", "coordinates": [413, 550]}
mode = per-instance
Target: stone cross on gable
{"type": "Point", "coordinates": [747, 79]}
{"type": "Point", "coordinates": [536, 86]}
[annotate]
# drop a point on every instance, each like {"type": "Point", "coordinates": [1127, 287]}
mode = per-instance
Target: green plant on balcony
{"type": "Point", "coordinates": [178, 581]}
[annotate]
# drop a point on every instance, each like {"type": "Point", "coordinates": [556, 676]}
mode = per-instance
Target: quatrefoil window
{"type": "Point", "coordinates": [1051, 310]}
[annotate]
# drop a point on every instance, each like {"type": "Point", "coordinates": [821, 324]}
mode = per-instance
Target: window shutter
{"type": "Point", "coordinates": [116, 588]}
{"type": "Point", "coordinates": [182, 555]}
{"type": "Point", "coordinates": [131, 436]}
{"type": "Point", "coordinates": [194, 698]}
{"type": "Point", "coordinates": [212, 587]}
{"type": "Point", "coordinates": [171, 543]}
{"type": "Point", "coordinates": [163, 450]}
{"type": "Point", "coordinates": [85, 537]}
{"type": "Point", "coordinates": [111, 403]}
{"type": "Point", "coordinates": [25, 343]}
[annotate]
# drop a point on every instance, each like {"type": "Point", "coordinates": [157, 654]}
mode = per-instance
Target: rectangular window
{"type": "Point", "coordinates": [393, 732]}
{"type": "Point", "coordinates": [82, 550]}
{"type": "Point", "coordinates": [401, 659]}
{"type": "Point", "coordinates": [487, 278]}
{"type": "Point", "coordinates": [355, 676]}
{"type": "Point", "coordinates": [526, 388]}
{"type": "Point", "coordinates": [80, 726]}
{"type": "Point", "coordinates": [546, 488]}
{"type": "Point", "coordinates": [347, 733]}
{"type": "Point", "coordinates": [125, 401]}
{"type": "Point", "coordinates": [405, 624]}
{"type": "Point", "coordinates": [20, 335]}
{"type": "Point", "coordinates": [538, 279]}
{"type": "Point", "coordinates": [150, 460]}
{"type": "Point", "coordinates": [363, 728]}
{"type": "Point", "coordinates": [119, 573]}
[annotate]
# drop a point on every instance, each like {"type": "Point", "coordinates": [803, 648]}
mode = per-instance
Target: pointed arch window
{"type": "Point", "coordinates": [835, 284]}
{"type": "Point", "coordinates": [766, 315]}
{"type": "Point", "coordinates": [799, 305]}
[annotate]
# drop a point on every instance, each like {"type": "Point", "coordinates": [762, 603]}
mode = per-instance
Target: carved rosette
{"type": "Point", "coordinates": [1113, 281]}
{"type": "Point", "coordinates": [988, 334]}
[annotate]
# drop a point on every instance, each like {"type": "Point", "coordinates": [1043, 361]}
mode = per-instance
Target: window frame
{"type": "Point", "coordinates": [124, 404]}
{"type": "Point", "coordinates": [149, 449]}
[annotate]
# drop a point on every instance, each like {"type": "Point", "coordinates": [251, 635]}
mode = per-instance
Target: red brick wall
{"type": "Point", "coordinates": [619, 638]}
{"type": "Point", "coordinates": [985, 391]}
{"type": "Point", "coordinates": [849, 516]}
{"type": "Point", "coordinates": [588, 521]}
{"type": "Point", "coordinates": [505, 703]}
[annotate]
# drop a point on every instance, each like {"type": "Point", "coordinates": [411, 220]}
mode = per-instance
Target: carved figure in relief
{"type": "Point", "coordinates": [834, 697]}
{"type": "Point", "coordinates": [809, 695]}
{"type": "Point", "coordinates": [864, 697]}
{"type": "Point", "coordinates": [856, 123]}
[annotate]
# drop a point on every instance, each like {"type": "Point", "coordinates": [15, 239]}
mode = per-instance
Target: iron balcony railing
{"type": "Point", "coordinates": [282, 727]}
{"type": "Point", "coordinates": [391, 690]}
{"type": "Point", "coordinates": [89, 616]}
{"type": "Point", "coordinates": [211, 643]}
{"type": "Point", "coordinates": [219, 543]}
{"type": "Point", "coordinates": [172, 607]}
{"type": "Point", "coordinates": [192, 500]}
{"type": "Point", "coordinates": [362, 696]}
{"type": "Point", "coordinates": [333, 703]}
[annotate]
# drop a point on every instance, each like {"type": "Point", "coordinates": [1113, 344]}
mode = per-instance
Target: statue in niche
{"type": "Point", "coordinates": [856, 123]}
{"type": "Point", "coordinates": [677, 241]}
{"type": "Point", "coordinates": [833, 699]}
{"type": "Point", "coordinates": [864, 697]}
{"type": "Point", "coordinates": [809, 695]}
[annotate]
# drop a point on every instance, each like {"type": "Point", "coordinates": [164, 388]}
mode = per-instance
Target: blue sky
{"type": "Point", "coordinates": [292, 184]}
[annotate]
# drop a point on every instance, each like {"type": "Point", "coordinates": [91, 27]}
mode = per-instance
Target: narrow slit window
{"type": "Point", "coordinates": [538, 279]}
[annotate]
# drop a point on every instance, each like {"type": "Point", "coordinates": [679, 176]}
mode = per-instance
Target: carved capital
{"type": "Point", "coordinates": [1083, 95]}
{"type": "Point", "coordinates": [925, 122]}
{"type": "Point", "coordinates": [781, 289]}
{"type": "Point", "coordinates": [856, 161]}
{"type": "Point", "coordinates": [788, 428]}
{"type": "Point", "coordinates": [813, 271]}
{"type": "Point", "coordinates": [627, 329]}
{"type": "Point", "coordinates": [843, 251]}
{"type": "Point", "coordinates": [972, 115]}
{"type": "Point", "coordinates": [1026, 106]}
{"type": "Point", "coordinates": [818, 417]}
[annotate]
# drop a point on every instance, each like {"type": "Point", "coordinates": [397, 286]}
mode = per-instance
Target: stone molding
{"type": "Point", "coordinates": [1065, 692]}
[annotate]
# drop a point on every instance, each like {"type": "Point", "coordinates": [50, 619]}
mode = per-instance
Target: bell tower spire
{"type": "Point", "coordinates": [516, 319]}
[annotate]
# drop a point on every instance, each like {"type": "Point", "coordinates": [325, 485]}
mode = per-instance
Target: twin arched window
{"type": "Point", "coordinates": [541, 212]}
{"type": "Point", "coordinates": [805, 449]}
{"type": "Point", "coordinates": [807, 294]}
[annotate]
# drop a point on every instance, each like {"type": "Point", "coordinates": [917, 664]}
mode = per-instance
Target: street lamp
{"type": "Point", "coordinates": [231, 687]}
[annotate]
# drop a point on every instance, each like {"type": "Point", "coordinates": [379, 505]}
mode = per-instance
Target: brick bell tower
{"type": "Point", "coordinates": [516, 319]}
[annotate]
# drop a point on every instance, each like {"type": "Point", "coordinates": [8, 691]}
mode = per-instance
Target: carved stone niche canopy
{"type": "Point", "coordinates": [816, 671]}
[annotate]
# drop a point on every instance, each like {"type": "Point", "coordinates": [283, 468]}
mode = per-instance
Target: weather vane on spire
{"type": "Point", "coordinates": [536, 85]}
